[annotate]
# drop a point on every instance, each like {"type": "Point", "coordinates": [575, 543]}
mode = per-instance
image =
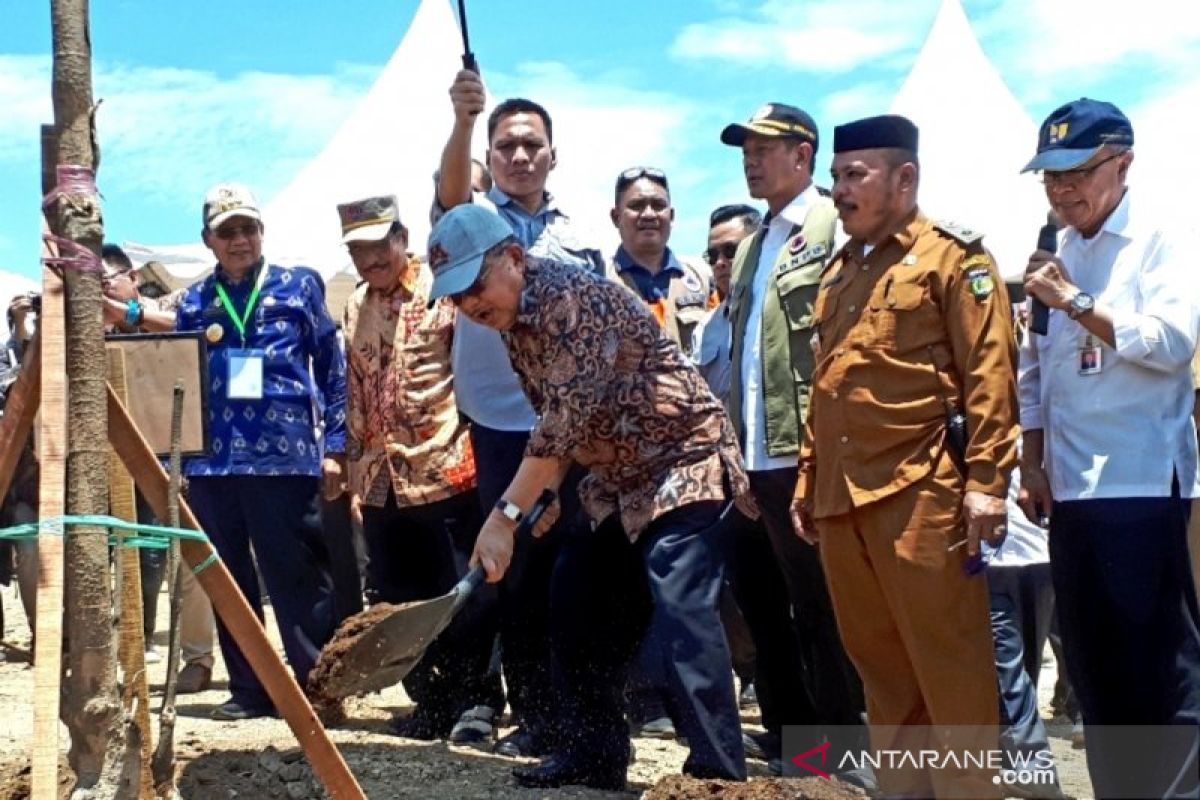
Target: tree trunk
{"type": "Point", "coordinates": [91, 706]}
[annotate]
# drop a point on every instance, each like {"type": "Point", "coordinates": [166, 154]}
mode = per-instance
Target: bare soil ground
{"type": "Point", "coordinates": [259, 758]}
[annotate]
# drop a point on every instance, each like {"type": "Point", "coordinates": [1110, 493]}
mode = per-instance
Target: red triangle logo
{"type": "Point", "coordinates": [800, 760]}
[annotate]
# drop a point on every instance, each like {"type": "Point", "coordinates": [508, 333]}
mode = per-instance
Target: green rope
{"type": "Point", "coordinates": [157, 536]}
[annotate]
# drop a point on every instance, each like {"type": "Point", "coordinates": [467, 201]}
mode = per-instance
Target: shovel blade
{"type": "Point", "coordinates": [389, 650]}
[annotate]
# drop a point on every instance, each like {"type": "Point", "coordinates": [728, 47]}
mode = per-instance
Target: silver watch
{"type": "Point", "coordinates": [1081, 304]}
{"type": "Point", "coordinates": [510, 510]}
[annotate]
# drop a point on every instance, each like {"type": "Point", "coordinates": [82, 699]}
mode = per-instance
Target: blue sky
{"type": "Point", "coordinates": [199, 92]}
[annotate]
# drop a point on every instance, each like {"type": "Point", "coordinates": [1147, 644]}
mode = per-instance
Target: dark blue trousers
{"type": "Point", "coordinates": [1127, 608]}
{"type": "Point", "coordinates": [605, 595]}
{"type": "Point", "coordinates": [280, 518]}
{"type": "Point", "coordinates": [1021, 602]}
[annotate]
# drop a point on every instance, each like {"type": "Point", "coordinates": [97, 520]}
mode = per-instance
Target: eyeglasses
{"type": "Point", "coordinates": [637, 173]}
{"type": "Point", "coordinates": [727, 251]}
{"type": "Point", "coordinates": [476, 288]}
{"type": "Point", "coordinates": [1074, 177]}
{"type": "Point", "coordinates": [228, 233]}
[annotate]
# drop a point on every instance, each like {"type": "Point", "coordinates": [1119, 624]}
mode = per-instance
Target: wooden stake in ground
{"type": "Point", "coordinates": [52, 452]}
{"type": "Point", "coordinates": [103, 765]}
{"type": "Point", "coordinates": [132, 649]}
{"type": "Point", "coordinates": [162, 765]}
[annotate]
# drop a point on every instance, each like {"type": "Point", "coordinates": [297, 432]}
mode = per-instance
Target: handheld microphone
{"type": "Point", "coordinates": [1039, 312]}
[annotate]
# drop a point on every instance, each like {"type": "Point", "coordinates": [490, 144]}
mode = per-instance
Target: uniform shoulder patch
{"type": "Point", "coordinates": [960, 232]}
{"type": "Point", "coordinates": [978, 269]}
{"type": "Point", "coordinates": [976, 260]}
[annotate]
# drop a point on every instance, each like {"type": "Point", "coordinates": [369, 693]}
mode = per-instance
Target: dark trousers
{"type": "Point", "coordinates": [1127, 609]}
{"type": "Point", "coordinates": [834, 687]}
{"type": "Point", "coordinates": [280, 518]}
{"type": "Point", "coordinates": [606, 594]}
{"type": "Point", "coordinates": [520, 603]}
{"type": "Point", "coordinates": [345, 554]}
{"type": "Point", "coordinates": [1021, 602]}
{"type": "Point", "coordinates": [762, 596]}
{"type": "Point", "coordinates": [420, 552]}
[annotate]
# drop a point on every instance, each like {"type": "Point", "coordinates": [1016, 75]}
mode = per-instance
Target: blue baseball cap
{"type": "Point", "coordinates": [457, 244]}
{"type": "Point", "coordinates": [1074, 133]}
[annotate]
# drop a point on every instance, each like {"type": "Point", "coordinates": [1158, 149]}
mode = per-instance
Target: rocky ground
{"type": "Point", "coordinates": [260, 759]}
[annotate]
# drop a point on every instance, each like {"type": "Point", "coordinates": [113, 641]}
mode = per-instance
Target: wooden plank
{"type": "Point", "coordinates": [52, 456]}
{"type": "Point", "coordinates": [131, 650]}
{"type": "Point", "coordinates": [20, 411]}
{"type": "Point", "coordinates": [229, 603]}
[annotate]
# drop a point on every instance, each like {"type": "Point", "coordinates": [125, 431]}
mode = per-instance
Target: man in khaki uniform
{"type": "Point", "coordinates": [911, 325]}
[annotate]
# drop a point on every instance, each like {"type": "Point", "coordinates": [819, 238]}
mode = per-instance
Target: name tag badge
{"type": "Point", "coordinates": [245, 375]}
{"type": "Point", "coordinates": [1090, 356]}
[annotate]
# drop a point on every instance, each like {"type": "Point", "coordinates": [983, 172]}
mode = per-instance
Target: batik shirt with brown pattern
{"type": "Point", "coordinates": [615, 395]}
{"type": "Point", "coordinates": [405, 432]}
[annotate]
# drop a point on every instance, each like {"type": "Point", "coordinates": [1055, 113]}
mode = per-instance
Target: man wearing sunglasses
{"type": "Point", "coordinates": [272, 354]}
{"type": "Point", "coordinates": [1110, 452]}
{"type": "Point", "coordinates": [520, 157]}
{"type": "Point", "coordinates": [678, 290]}
{"type": "Point", "coordinates": [774, 283]}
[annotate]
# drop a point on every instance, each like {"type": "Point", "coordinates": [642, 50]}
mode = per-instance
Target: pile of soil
{"type": "Point", "coordinates": [331, 663]}
{"type": "Point", "coordinates": [679, 787]}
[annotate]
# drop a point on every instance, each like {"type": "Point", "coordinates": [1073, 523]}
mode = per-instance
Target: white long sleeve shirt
{"type": "Point", "coordinates": [754, 405]}
{"type": "Point", "coordinates": [1124, 430]}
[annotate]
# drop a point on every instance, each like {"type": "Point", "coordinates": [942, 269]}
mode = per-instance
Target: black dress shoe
{"type": "Point", "coordinates": [521, 743]}
{"type": "Point", "coordinates": [559, 770]}
{"type": "Point", "coordinates": [424, 727]}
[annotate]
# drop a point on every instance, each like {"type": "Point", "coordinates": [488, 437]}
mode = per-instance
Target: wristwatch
{"type": "Point", "coordinates": [510, 510]}
{"type": "Point", "coordinates": [1081, 304]}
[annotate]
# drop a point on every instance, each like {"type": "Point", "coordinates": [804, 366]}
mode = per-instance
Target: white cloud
{"type": "Point", "coordinates": [817, 36]}
{"type": "Point", "coordinates": [168, 133]}
{"type": "Point", "coordinates": [1090, 39]}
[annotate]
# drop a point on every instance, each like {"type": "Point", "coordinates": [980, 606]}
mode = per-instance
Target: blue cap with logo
{"type": "Point", "coordinates": [1075, 132]}
{"type": "Point", "coordinates": [457, 244]}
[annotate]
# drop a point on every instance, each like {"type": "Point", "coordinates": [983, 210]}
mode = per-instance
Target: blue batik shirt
{"type": "Point", "coordinates": [303, 372]}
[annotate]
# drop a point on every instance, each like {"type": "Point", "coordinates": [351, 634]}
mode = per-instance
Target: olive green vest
{"type": "Point", "coordinates": [787, 353]}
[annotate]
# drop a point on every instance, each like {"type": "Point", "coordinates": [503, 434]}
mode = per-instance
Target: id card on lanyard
{"type": "Point", "coordinates": [245, 365]}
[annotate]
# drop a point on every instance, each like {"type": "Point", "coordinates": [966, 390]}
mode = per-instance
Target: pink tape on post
{"type": "Point", "coordinates": [72, 180]}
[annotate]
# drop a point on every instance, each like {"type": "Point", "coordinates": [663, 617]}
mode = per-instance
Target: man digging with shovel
{"type": "Point", "coordinates": [615, 395]}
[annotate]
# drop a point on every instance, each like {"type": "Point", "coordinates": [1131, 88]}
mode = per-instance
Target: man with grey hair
{"type": "Point", "coordinates": [1124, 316]}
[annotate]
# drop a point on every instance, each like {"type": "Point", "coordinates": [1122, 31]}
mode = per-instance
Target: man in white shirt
{"type": "Point", "coordinates": [776, 273]}
{"type": "Point", "coordinates": [1110, 453]}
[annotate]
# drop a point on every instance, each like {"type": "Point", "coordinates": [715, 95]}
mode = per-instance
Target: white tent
{"type": "Point", "coordinates": [390, 144]}
{"type": "Point", "coordinates": [975, 137]}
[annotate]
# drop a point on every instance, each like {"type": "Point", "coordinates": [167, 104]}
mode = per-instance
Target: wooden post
{"type": "Point", "coordinates": [229, 603]}
{"type": "Point", "coordinates": [52, 454]}
{"type": "Point", "coordinates": [132, 650]}
{"type": "Point", "coordinates": [103, 763]}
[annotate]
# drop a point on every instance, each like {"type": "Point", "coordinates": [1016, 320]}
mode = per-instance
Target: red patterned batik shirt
{"type": "Point", "coordinates": [404, 429]}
